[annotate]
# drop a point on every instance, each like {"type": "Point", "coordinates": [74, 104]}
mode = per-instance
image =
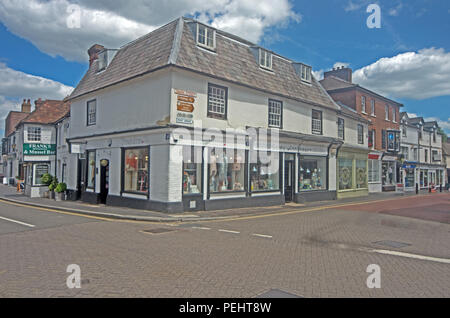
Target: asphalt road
{"type": "Point", "coordinates": [322, 253]}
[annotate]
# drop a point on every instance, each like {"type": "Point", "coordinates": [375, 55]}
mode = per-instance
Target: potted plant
{"type": "Point", "coordinates": [52, 187]}
{"type": "Point", "coordinates": [61, 191]}
{"type": "Point", "coordinates": [47, 180]}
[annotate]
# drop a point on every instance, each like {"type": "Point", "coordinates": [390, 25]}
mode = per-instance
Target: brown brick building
{"type": "Point", "coordinates": [384, 128]}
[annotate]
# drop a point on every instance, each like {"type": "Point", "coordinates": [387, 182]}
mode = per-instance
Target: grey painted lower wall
{"type": "Point", "coordinates": [175, 207]}
{"type": "Point", "coordinates": [224, 204]}
{"type": "Point", "coordinates": [315, 196]}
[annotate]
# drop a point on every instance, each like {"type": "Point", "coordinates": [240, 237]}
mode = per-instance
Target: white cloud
{"type": "Point", "coordinates": [395, 11]}
{"type": "Point", "coordinates": [16, 86]}
{"type": "Point", "coordinates": [415, 75]}
{"type": "Point", "coordinates": [445, 125]}
{"type": "Point", "coordinates": [113, 23]}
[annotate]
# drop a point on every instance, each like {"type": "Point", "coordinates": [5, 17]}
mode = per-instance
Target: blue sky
{"type": "Point", "coordinates": [407, 59]}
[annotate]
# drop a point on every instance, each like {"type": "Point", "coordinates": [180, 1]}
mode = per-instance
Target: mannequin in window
{"type": "Point", "coordinates": [131, 166]}
{"type": "Point", "coordinates": [236, 168]}
{"type": "Point", "coordinates": [213, 171]}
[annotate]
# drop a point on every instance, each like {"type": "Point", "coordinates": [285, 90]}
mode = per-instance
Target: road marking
{"type": "Point", "coordinates": [263, 236]}
{"type": "Point", "coordinates": [228, 231]}
{"type": "Point", "coordinates": [201, 228]}
{"type": "Point", "coordinates": [415, 256]}
{"type": "Point", "coordinates": [18, 222]}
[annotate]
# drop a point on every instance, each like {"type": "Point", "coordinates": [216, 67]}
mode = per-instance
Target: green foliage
{"type": "Point", "coordinates": [47, 179]}
{"type": "Point", "coordinates": [61, 187]}
{"type": "Point", "coordinates": [53, 184]}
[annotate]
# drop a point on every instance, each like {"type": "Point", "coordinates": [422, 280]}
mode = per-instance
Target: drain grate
{"type": "Point", "coordinates": [393, 244]}
{"type": "Point", "coordinates": [158, 231]}
{"type": "Point", "coordinates": [277, 293]}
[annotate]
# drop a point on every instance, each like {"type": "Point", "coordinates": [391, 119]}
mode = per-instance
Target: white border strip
{"type": "Point", "coordinates": [18, 222]}
{"type": "Point", "coordinates": [408, 255]}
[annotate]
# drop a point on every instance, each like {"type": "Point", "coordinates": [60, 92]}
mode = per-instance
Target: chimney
{"type": "Point", "coordinates": [26, 106]}
{"type": "Point", "coordinates": [93, 53]}
{"type": "Point", "coordinates": [38, 103]}
{"type": "Point", "coordinates": [343, 73]}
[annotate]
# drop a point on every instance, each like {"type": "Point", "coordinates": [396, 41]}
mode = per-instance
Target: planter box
{"type": "Point", "coordinates": [60, 196]}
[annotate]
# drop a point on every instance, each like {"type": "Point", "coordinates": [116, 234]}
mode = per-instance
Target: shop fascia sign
{"type": "Point", "coordinates": [39, 150]}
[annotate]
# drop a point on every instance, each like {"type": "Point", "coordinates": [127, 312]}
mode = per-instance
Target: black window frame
{"type": "Point", "coordinates": [214, 115]}
{"type": "Point", "coordinates": [312, 122]}
{"type": "Point", "coordinates": [88, 123]}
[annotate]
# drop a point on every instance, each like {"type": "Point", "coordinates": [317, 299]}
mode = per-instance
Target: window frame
{"type": "Point", "coordinates": [268, 58]}
{"type": "Point", "coordinates": [312, 122]}
{"type": "Point", "coordinates": [122, 172]}
{"type": "Point", "coordinates": [363, 104]}
{"type": "Point", "coordinates": [307, 70]}
{"type": "Point", "coordinates": [87, 170]}
{"type": "Point", "coordinates": [360, 130]}
{"type": "Point", "coordinates": [271, 101]}
{"type": "Point", "coordinates": [341, 122]}
{"type": "Point", "coordinates": [372, 107]}
{"type": "Point", "coordinates": [88, 122]}
{"type": "Point", "coordinates": [202, 170]}
{"type": "Point", "coordinates": [386, 111]}
{"type": "Point", "coordinates": [208, 30]}
{"type": "Point", "coordinates": [216, 115]}
{"type": "Point", "coordinates": [37, 137]}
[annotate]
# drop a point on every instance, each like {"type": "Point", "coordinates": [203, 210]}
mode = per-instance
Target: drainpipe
{"type": "Point", "coordinates": [56, 150]}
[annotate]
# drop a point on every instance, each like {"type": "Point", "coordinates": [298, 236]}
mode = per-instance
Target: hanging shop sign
{"type": "Point", "coordinates": [39, 150]}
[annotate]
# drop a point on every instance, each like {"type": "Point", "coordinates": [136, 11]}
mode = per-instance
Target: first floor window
{"type": "Point", "coordinates": [39, 171]}
{"type": "Point", "coordinates": [136, 178]}
{"type": "Point", "coordinates": [345, 168]}
{"type": "Point", "coordinates": [317, 122]}
{"type": "Point", "coordinates": [312, 173]}
{"type": "Point", "coordinates": [226, 170]}
{"type": "Point", "coordinates": [341, 128]}
{"type": "Point", "coordinates": [91, 169]}
{"type": "Point", "coordinates": [363, 104]}
{"type": "Point", "coordinates": [34, 134]}
{"type": "Point", "coordinates": [361, 174]}
{"type": "Point", "coordinates": [265, 176]}
{"type": "Point", "coordinates": [91, 112]}
{"type": "Point", "coordinates": [275, 113]}
{"type": "Point", "coordinates": [374, 171]}
{"type": "Point", "coordinates": [192, 170]}
{"type": "Point", "coordinates": [360, 134]}
{"type": "Point", "coordinates": [217, 101]}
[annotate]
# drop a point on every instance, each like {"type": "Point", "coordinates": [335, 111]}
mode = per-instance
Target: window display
{"type": "Point", "coordinates": [312, 173]}
{"type": "Point", "coordinates": [374, 170]}
{"type": "Point", "coordinates": [409, 178]}
{"type": "Point", "coordinates": [389, 173]}
{"type": "Point", "coordinates": [345, 167]}
{"type": "Point", "coordinates": [91, 170]}
{"type": "Point", "coordinates": [39, 171]}
{"type": "Point", "coordinates": [192, 172]}
{"type": "Point", "coordinates": [361, 174]}
{"type": "Point", "coordinates": [136, 170]}
{"type": "Point", "coordinates": [226, 170]}
{"type": "Point", "coordinates": [265, 177]}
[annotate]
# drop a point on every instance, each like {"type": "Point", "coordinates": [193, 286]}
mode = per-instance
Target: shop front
{"type": "Point", "coordinates": [374, 172]}
{"type": "Point", "coordinates": [389, 173]}
{"type": "Point", "coordinates": [408, 176]}
{"type": "Point", "coordinates": [352, 177]}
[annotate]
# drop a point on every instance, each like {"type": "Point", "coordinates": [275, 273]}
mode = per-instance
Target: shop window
{"type": "Point", "coordinates": [361, 174]}
{"type": "Point", "coordinates": [374, 171]}
{"type": "Point", "coordinates": [312, 173]}
{"type": "Point", "coordinates": [226, 170]}
{"type": "Point", "coordinates": [192, 171]}
{"type": "Point", "coordinates": [409, 178]}
{"type": "Point", "coordinates": [388, 173]}
{"type": "Point", "coordinates": [91, 170]}
{"type": "Point", "coordinates": [265, 177]}
{"type": "Point", "coordinates": [39, 171]}
{"type": "Point", "coordinates": [136, 164]}
{"type": "Point", "coordinates": [345, 167]}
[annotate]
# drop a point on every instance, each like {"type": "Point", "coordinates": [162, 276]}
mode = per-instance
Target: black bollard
{"type": "Point", "coordinates": [417, 188]}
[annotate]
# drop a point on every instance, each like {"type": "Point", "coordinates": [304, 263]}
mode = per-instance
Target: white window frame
{"type": "Point", "coordinates": [341, 128]}
{"type": "Point", "coordinates": [217, 101]}
{"type": "Point", "coordinates": [275, 113]}
{"type": "Point", "coordinates": [317, 123]}
{"type": "Point", "coordinates": [372, 106]}
{"type": "Point", "coordinates": [386, 110]}
{"type": "Point", "coordinates": [265, 59]}
{"type": "Point", "coordinates": [208, 32]}
{"type": "Point", "coordinates": [374, 172]}
{"type": "Point", "coordinates": [34, 134]}
{"type": "Point", "coordinates": [305, 73]}
{"type": "Point", "coordinates": [91, 118]}
{"type": "Point", "coordinates": [102, 60]}
{"type": "Point", "coordinates": [363, 105]}
{"type": "Point", "coordinates": [360, 131]}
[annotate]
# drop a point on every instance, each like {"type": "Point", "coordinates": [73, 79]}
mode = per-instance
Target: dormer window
{"type": "Point", "coordinates": [265, 59]}
{"type": "Point", "coordinates": [305, 73]}
{"type": "Point", "coordinates": [206, 37]}
{"type": "Point", "coordinates": [102, 60]}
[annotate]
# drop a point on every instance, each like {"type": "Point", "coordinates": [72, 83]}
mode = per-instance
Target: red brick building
{"type": "Point", "coordinates": [384, 128]}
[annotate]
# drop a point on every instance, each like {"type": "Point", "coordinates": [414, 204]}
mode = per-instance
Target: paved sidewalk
{"type": "Point", "coordinates": [8, 193]}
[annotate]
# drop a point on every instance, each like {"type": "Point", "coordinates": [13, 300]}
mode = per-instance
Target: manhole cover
{"type": "Point", "coordinates": [276, 293]}
{"type": "Point", "coordinates": [158, 231]}
{"type": "Point", "coordinates": [393, 244]}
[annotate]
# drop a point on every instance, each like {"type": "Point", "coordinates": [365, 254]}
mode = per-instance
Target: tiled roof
{"type": "Point", "coordinates": [446, 148]}
{"type": "Point", "coordinates": [233, 61]}
{"type": "Point", "coordinates": [47, 112]}
{"type": "Point", "coordinates": [12, 121]}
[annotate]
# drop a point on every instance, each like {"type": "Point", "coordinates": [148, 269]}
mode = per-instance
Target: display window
{"type": "Point", "coordinates": [265, 177]}
{"type": "Point", "coordinates": [345, 167]}
{"type": "Point", "coordinates": [226, 170]}
{"type": "Point", "coordinates": [361, 174]}
{"type": "Point", "coordinates": [312, 173]}
{"type": "Point", "coordinates": [389, 173]}
{"type": "Point", "coordinates": [91, 169]}
{"type": "Point", "coordinates": [39, 171]}
{"type": "Point", "coordinates": [374, 170]}
{"type": "Point", "coordinates": [192, 172]}
{"type": "Point", "coordinates": [136, 170]}
{"type": "Point", "coordinates": [409, 178]}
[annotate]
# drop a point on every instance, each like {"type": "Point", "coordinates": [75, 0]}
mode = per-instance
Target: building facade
{"type": "Point", "coordinates": [423, 163]}
{"type": "Point", "coordinates": [383, 115]}
{"type": "Point", "coordinates": [205, 120]}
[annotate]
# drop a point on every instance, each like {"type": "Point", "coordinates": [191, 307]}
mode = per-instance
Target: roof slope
{"type": "Point", "coordinates": [13, 119]}
{"type": "Point", "coordinates": [47, 112]}
{"type": "Point", "coordinates": [233, 61]}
